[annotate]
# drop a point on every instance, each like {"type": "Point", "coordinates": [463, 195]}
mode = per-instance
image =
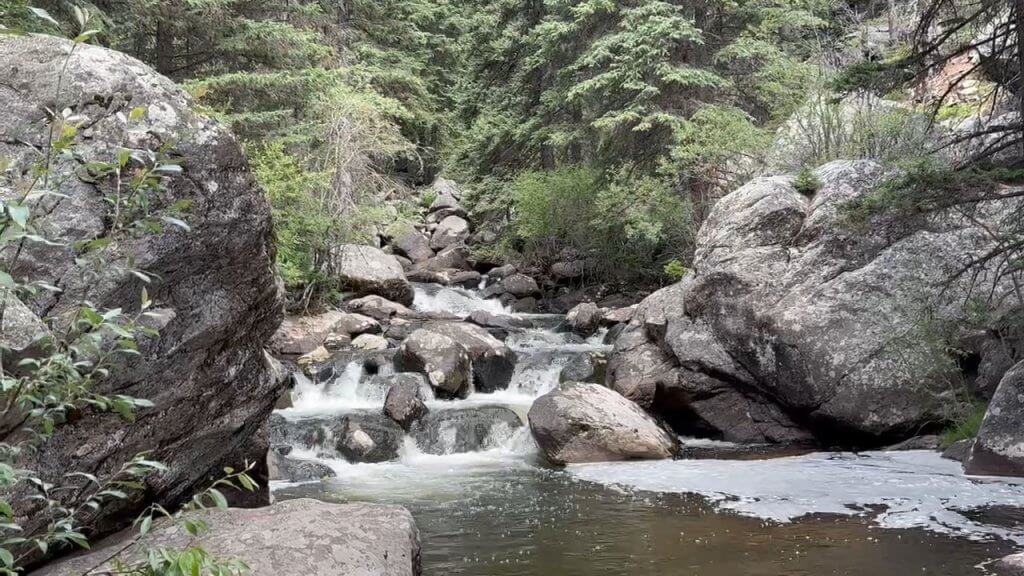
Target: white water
{"type": "Point", "coordinates": [917, 489]}
{"type": "Point", "coordinates": [456, 301]}
{"type": "Point", "coordinates": [908, 489]}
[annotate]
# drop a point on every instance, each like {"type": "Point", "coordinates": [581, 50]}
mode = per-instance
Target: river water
{"type": "Point", "coordinates": [499, 511]}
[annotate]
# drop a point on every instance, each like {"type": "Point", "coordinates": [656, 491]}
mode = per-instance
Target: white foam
{"type": "Point", "coordinates": [918, 489]}
{"type": "Point", "coordinates": [341, 394]}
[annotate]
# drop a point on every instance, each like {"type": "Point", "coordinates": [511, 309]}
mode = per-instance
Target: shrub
{"type": "Point", "coordinates": [807, 182]}
{"type": "Point", "coordinates": [627, 225]}
{"type": "Point", "coordinates": [675, 270]}
{"type": "Point", "coordinates": [965, 426]}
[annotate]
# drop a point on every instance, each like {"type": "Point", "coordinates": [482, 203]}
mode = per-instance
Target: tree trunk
{"type": "Point", "coordinates": [165, 40]}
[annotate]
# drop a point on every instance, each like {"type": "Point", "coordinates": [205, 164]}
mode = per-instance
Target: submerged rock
{"type": "Point", "coordinates": [999, 448]}
{"type": "Point", "coordinates": [590, 423]}
{"type": "Point", "coordinates": [366, 270]}
{"type": "Point", "coordinates": [207, 375]}
{"type": "Point", "coordinates": [460, 430]}
{"type": "Point", "coordinates": [299, 537]}
{"type": "Point", "coordinates": [285, 468]}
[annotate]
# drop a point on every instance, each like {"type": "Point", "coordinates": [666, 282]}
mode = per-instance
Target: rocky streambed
{"type": "Point", "coordinates": [487, 501]}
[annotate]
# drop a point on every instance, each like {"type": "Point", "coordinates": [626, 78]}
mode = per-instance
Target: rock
{"type": "Point", "coordinates": [996, 359]}
{"type": "Point", "coordinates": [518, 285]}
{"type": "Point", "coordinates": [459, 430]}
{"type": "Point", "coordinates": [307, 433]}
{"type": "Point", "coordinates": [290, 538]}
{"type": "Point", "coordinates": [369, 342]}
{"type": "Point", "coordinates": [448, 195]}
{"type": "Point", "coordinates": [619, 315]}
{"type": "Point", "coordinates": [492, 362]}
{"type": "Point", "coordinates": [368, 437]}
{"type": "Point", "coordinates": [207, 375]}
{"type": "Point", "coordinates": [465, 278]}
{"type": "Point", "coordinates": [526, 305]}
{"type": "Point", "coordinates": [366, 270]}
{"type": "Point", "coordinates": [999, 448]}
{"type": "Point", "coordinates": [502, 321]}
{"type": "Point", "coordinates": [378, 308]}
{"type": "Point", "coordinates": [568, 270]}
{"type": "Point", "coordinates": [1012, 565]}
{"type": "Point", "coordinates": [452, 230]}
{"type": "Point", "coordinates": [284, 468]}
{"type": "Point", "coordinates": [302, 335]}
{"type": "Point", "coordinates": [335, 342]}
{"type": "Point", "coordinates": [925, 442]}
{"type": "Point", "coordinates": [428, 276]}
{"type": "Point", "coordinates": [590, 423]}
{"type": "Point", "coordinates": [409, 242]}
{"type": "Point", "coordinates": [443, 361]}
{"type": "Point", "coordinates": [584, 319]}
{"type": "Point", "coordinates": [356, 324]}
{"type": "Point", "coordinates": [318, 356]}
{"type": "Point", "coordinates": [501, 272]}
{"type": "Point", "coordinates": [585, 368]}
{"type": "Point", "coordinates": [404, 401]}
{"type": "Point", "coordinates": [784, 332]}
{"type": "Point", "coordinates": [959, 450]}
{"type": "Point", "coordinates": [21, 328]}
{"type": "Point", "coordinates": [454, 257]}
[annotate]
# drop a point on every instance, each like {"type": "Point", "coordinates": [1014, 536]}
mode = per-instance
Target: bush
{"type": "Point", "coordinates": [675, 270]}
{"type": "Point", "coordinates": [807, 182]}
{"type": "Point", "coordinates": [966, 426]}
{"type": "Point", "coordinates": [628, 226]}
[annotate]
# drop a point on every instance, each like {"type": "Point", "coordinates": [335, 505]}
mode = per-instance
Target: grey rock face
{"type": "Point", "coordinates": [290, 538]}
{"type": "Point", "coordinates": [800, 322]}
{"type": "Point", "coordinates": [448, 195]}
{"type": "Point", "coordinates": [451, 230]}
{"type": "Point", "coordinates": [496, 274]}
{"type": "Point", "coordinates": [1012, 565]}
{"type": "Point", "coordinates": [568, 270]}
{"type": "Point", "coordinates": [586, 367]}
{"type": "Point", "coordinates": [207, 373]}
{"type": "Point", "coordinates": [999, 448]}
{"type": "Point", "coordinates": [959, 450]}
{"type": "Point", "coordinates": [378, 308]}
{"type": "Point", "coordinates": [492, 362]}
{"type": "Point", "coordinates": [454, 257]}
{"type": "Point", "coordinates": [502, 321]}
{"type": "Point", "coordinates": [356, 324]}
{"type": "Point", "coordinates": [590, 423]}
{"type": "Point", "coordinates": [404, 400]}
{"type": "Point", "coordinates": [366, 270]}
{"type": "Point", "coordinates": [464, 429]}
{"type": "Point", "coordinates": [443, 361]}
{"type": "Point", "coordinates": [584, 319]}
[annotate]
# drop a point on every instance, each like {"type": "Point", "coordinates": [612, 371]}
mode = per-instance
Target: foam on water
{"type": "Point", "coordinates": [341, 394]}
{"type": "Point", "coordinates": [917, 489]}
{"type": "Point", "coordinates": [434, 298]}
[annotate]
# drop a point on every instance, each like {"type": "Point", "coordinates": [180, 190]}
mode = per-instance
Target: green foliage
{"type": "Point", "coordinates": [807, 182]}
{"type": "Point", "coordinates": [966, 426]}
{"type": "Point", "coordinates": [675, 270]}
{"type": "Point", "coordinates": [627, 225]}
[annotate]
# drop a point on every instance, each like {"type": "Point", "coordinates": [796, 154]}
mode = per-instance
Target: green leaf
{"type": "Point", "coordinates": [218, 499]}
{"type": "Point", "coordinates": [147, 522]}
{"type": "Point", "coordinates": [6, 558]}
{"type": "Point", "coordinates": [136, 114]}
{"type": "Point", "coordinates": [43, 15]}
{"type": "Point", "coordinates": [6, 280]}
{"type": "Point", "coordinates": [19, 214]}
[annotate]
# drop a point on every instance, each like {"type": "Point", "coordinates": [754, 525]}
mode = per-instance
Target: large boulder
{"type": "Point", "coordinates": [367, 270]}
{"type": "Point", "coordinates": [451, 230]}
{"type": "Point", "coordinates": [207, 374]}
{"type": "Point", "coordinates": [1012, 565]}
{"type": "Point", "coordinates": [999, 448]}
{"type": "Point", "coordinates": [291, 538]}
{"type": "Point", "coordinates": [447, 195]}
{"type": "Point", "coordinates": [378, 308]}
{"type": "Point", "coordinates": [492, 361]}
{"type": "Point", "coordinates": [443, 361]}
{"type": "Point", "coordinates": [798, 321]}
{"type": "Point", "coordinates": [590, 423]}
{"type": "Point", "coordinates": [460, 430]}
{"type": "Point", "coordinates": [515, 284]}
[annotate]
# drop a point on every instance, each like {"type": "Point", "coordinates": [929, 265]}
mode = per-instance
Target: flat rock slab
{"type": "Point", "coordinates": [303, 537]}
